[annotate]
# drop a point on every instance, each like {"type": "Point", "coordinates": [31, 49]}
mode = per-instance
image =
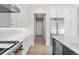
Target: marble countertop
{"type": "Point", "coordinates": [69, 41]}
{"type": "Point", "coordinates": [11, 36]}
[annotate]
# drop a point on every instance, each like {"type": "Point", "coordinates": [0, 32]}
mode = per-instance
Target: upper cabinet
{"type": "Point", "coordinates": [52, 12]}
{"type": "Point", "coordinates": [61, 10]}
{"type": "Point", "coordinates": [8, 8]}
{"type": "Point", "coordinates": [56, 11]}
{"type": "Point", "coordinates": [69, 13]}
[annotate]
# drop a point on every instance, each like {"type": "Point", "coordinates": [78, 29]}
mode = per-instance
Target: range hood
{"type": "Point", "coordinates": [8, 8]}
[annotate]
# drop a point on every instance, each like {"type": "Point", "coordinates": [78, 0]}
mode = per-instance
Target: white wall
{"type": "Point", "coordinates": [5, 20]}
{"type": "Point", "coordinates": [69, 13]}
{"type": "Point", "coordinates": [39, 9]}
{"type": "Point", "coordinates": [71, 21]}
{"type": "Point", "coordinates": [20, 19]}
{"type": "Point", "coordinates": [78, 19]}
{"type": "Point", "coordinates": [26, 17]}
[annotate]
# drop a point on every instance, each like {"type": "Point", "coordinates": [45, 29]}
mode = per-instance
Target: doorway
{"type": "Point", "coordinates": [39, 29]}
{"type": "Point", "coordinates": [40, 47]}
{"type": "Point", "coordinates": [39, 26]}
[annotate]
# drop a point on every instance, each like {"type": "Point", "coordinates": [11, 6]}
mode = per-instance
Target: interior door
{"type": "Point", "coordinates": [39, 26]}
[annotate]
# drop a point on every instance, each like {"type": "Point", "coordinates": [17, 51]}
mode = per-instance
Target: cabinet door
{"type": "Point", "coordinates": [59, 12]}
{"type": "Point", "coordinates": [52, 12]}
{"type": "Point", "coordinates": [58, 48]}
{"type": "Point", "coordinates": [28, 41]}
{"type": "Point", "coordinates": [26, 45]}
{"type": "Point", "coordinates": [32, 39]}
{"type": "Point", "coordinates": [54, 47]}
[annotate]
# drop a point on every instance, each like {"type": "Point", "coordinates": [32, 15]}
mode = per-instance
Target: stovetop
{"type": "Point", "coordinates": [9, 41]}
{"type": "Point", "coordinates": [2, 50]}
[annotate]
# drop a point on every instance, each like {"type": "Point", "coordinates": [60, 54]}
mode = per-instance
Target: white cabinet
{"type": "Point", "coordinates": [52, 12]}
{"type": "Point", "coordinates": [69, 13]}
{"type": "Point", "coordinates": [70, 21]}
{"type": "Point", "coordinates": [27, 43]}
{"type": "Point", "coordinates": [56, 11]}
{"type": "Point", "coordinates": [60, 12]}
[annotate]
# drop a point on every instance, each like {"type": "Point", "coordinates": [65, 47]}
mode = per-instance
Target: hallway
{"type": "Point", "coordinates": [40, 47]}
{"type": "Point", "coordinates": [39, 40]}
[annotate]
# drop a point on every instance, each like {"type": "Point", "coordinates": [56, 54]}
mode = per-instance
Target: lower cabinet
{"type": "Point", "coordinates": [27, 43]}
{"type": "Point", "coordinates": [57, 48]}
{"type": "Point", "coordinates": [60, 49]}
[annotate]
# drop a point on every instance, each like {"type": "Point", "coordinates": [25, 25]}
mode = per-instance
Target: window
{"type": "Point", "coordinates": [57, 26]}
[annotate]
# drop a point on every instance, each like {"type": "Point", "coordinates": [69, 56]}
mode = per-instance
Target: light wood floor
{"type": "Point", "coordinates": [40, 47]}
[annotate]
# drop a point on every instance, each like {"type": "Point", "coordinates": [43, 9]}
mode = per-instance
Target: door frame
{"type": "Point", "coordinates": [35, 22]}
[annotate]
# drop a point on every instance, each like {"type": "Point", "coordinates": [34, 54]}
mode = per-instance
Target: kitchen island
{"type": "Point", "coordinates": [65, 45]}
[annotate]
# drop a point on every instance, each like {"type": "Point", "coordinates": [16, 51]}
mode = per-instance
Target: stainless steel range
{"type": "Point", "coordinates": [6, 45]}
